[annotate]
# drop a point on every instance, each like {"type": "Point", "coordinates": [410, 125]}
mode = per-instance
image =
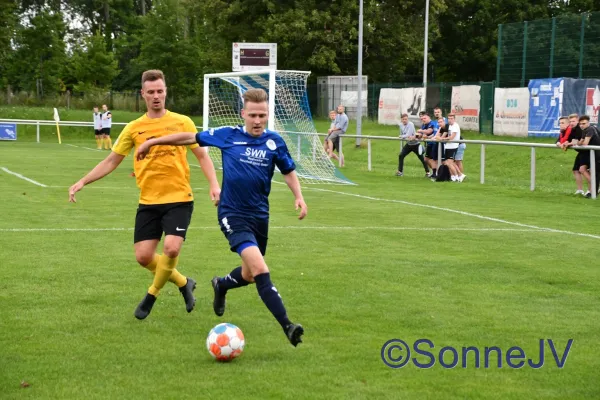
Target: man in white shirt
{"type": "Point", "coordinates": [98, 128]}
{"type": "Point", "coordinates": [106, 125]}
{"type": "Point", "coordinates": [450, 135]}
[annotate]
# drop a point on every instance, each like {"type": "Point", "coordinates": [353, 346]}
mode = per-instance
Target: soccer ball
{"type": "Point", "coordinates": [225, 342]}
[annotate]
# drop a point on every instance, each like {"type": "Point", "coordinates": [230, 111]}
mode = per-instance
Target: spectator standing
{"type": "Point", "coordinates": [407, 132]}
{"type": "Point", "coordinates": [97, 117]}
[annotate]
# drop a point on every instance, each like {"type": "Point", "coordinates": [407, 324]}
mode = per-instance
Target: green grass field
{"type": "Point", "coordinates": [390, 258]}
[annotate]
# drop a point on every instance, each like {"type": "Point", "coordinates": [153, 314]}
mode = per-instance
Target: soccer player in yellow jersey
{"type": "Point", "coordinates": [166, 200]}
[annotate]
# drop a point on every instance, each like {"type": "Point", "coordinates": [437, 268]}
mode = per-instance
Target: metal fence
{"type": "Point", "coordinates": [369, 139]}
{"type": "Point", "coordinates": [561, 47]}
{"type": "Point", "coordinates": [437, 95]}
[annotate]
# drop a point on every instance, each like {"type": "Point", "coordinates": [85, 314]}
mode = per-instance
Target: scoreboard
{"type": "Point", "coordinates": [252, 56]}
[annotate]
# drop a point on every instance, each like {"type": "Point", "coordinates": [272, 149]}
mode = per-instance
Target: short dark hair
{"type": "Point", "coordinates": [255, 96]}
{"type": "Point", "coordinates": [437, 108]}
{"type": "Point", "coordinates": [153, 75]}
{"type": "Point", "coordinates": [421, 113]}
{"type": "Point", "coordinates": [425, 114]}
{"type": "Point", "coordinates": [584, 118]}
{"type": "Point", "coordinates": [565, 118]}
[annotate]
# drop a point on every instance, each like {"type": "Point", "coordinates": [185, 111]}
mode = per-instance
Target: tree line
{"type": "Point", "coordinates": [50, 46]}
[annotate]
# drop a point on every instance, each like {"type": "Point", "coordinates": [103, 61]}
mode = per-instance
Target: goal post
{"type": "Point", "coordinates": [289, 115]}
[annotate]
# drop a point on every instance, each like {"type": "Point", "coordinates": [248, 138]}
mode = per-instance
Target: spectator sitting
{"type": "Point", "coordinates": [332, 115]}
{"type": "Point", "coordinates": [340, 127]}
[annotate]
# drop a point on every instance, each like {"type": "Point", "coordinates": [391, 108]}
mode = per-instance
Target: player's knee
{"type": "Point", "coordinates": [583, 169]}
{"type": "Point", "coordinates": [144, 258]}
{"type": "Point", "coordinates": [260, 268]}
{"type": "Point", "coordinates": [247, 275]}
{"type": "Point", "coordinates": [171, 250]}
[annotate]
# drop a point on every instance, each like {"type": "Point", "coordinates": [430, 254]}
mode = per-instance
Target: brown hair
{"type": "Point", "coordinates": [584, 118]}
{"type": "Point", "coordinates": [153, 75]}
{"type": "Point", "coordinates": [255, 96]}
{"type": "Point", "coordinates": [405, 115]}
{"type": "Point", "coordinates": [452, 115]}
{"type": "Point", "coordinates": [565, 118]}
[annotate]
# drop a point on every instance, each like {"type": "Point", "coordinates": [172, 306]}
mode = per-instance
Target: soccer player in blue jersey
{"type": "Point", "coordinates": [250, 154]}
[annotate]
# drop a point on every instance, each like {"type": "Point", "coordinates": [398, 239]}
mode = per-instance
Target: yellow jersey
{"type": "Point", "coordinates": [164, 175]}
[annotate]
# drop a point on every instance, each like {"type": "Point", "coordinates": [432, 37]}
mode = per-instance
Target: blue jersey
{"type": "Point", "coordinates": [248, 166]}
{"type": "Point", "coordinates": [431, 124]}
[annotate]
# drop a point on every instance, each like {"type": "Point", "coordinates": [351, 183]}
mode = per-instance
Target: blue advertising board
{"type": "Point", "coordinates": [582, 96]}
{"type": "Point", "coordinates": [545, 106]}
{"type": "Point", "coordinates": [8, 131]}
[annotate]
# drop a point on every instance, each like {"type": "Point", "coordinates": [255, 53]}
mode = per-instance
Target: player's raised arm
{"type": "Point", "coordinates": [176, 139]}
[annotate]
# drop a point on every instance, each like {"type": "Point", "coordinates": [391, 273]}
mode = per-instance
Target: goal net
{"type": "Point", "coordinates": [289, 115]}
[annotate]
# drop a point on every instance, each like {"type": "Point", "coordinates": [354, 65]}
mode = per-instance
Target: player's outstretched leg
{"type": "Point", "coordinates": [222, 285]}
{"type": "Point", "coordinates": [270, 296]}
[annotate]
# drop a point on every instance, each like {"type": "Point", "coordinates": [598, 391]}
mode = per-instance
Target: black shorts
{"type": "Point", "coordinates": [106, 131]}
{"type": "Point", "coordinates": [152, 220]}
{"type": "Point", "coordinates": [98, 132]}
{"type": "Point", "coordinates": [238, 230]}
{"type": "Point", "coordinates": [585, 158]}
{"type": "Point", "coordinates": [431, 151]}
{"type": "Point", "coordinates": [449, 154]}
{"type": "Point", "coordinates": [577, 162]}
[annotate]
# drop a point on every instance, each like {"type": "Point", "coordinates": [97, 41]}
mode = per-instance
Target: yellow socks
{"type": "Point", "coordinates": [175, 277]}
{"type": "Point", "coordinates": [108, 143]}
{"type": "Point", "coordinates": [152, 266]}
{"type": "Point", "coordinates": [98, 143]}
{"type": "Point", "coordinates": [164, 270]}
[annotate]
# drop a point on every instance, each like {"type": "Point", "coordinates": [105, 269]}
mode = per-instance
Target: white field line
{"type": "Point", "coordinates": [97, 187]}
{"type": "Point", "coordinates": [23, 177]}
{"type": "Point", "coordinates": [533, 227]}
{"type": "Point", "coordinates": [110, 187]}
{"type": "Point", "coordinates": [468, 214]}
{"type": "Point", "coordinates": [291, 227]}
{"type": "Point", "coordinates": [83, 147]}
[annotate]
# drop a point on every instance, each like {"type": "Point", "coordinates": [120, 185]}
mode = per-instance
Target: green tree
{"type": "Point", "coordinates": [164, 46]}
{"type": "Point", "coordinates": [8, 23]}
{"type": "Point", "coordinates": [37, 61]}
{"type": "Point", "coordinates": [467, 46]}
{"type": "Point", "coordinates": [93, 67]}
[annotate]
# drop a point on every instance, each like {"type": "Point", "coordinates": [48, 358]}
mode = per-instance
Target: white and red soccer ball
{"type": "Point", "coordinates": [225, 342]}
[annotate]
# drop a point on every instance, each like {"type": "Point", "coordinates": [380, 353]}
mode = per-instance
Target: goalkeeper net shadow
{"type": "Point", "coordinates": [289, 115]}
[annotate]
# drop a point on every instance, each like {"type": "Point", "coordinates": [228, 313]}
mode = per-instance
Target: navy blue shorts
{"type": "Point", "coordinates": [238, 230]}
{"type": "Point", "coordinates": [431, 150]}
